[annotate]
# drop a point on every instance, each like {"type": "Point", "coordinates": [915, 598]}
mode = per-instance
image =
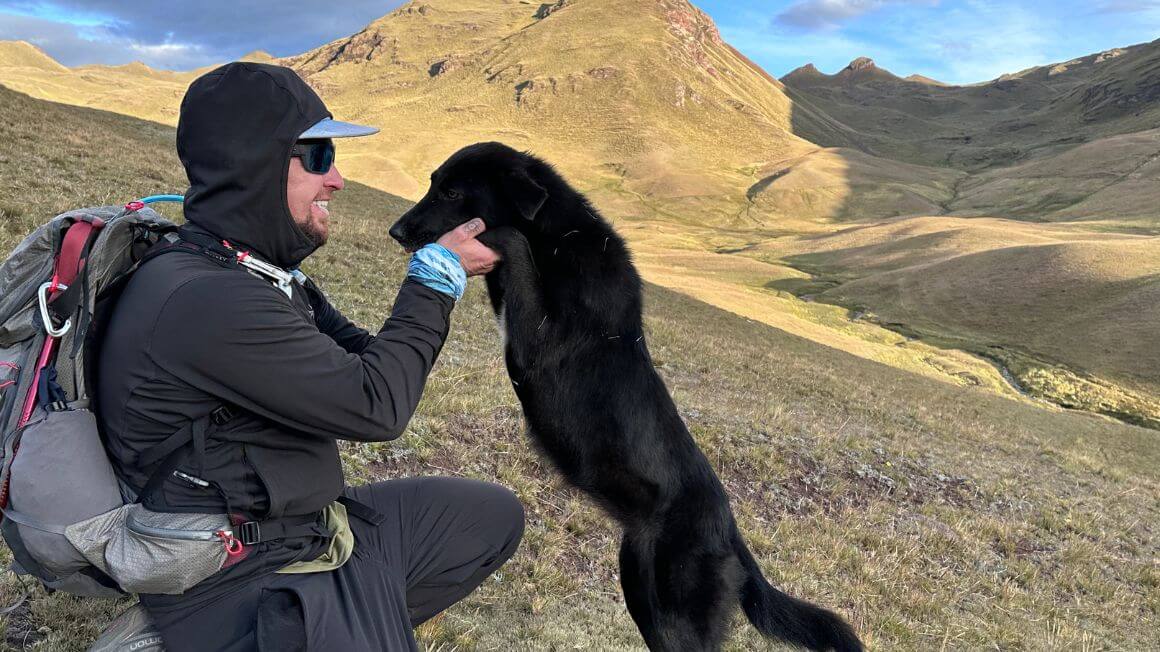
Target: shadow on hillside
{"type": "Point", "coordinates": [845, 179]}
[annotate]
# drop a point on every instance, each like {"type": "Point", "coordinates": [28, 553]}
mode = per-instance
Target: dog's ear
{"type": "Point", "coordinates": [528, 195]}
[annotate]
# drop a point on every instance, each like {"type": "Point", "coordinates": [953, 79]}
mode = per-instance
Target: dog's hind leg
{"type": "Point", "coordinates": [697, 588]}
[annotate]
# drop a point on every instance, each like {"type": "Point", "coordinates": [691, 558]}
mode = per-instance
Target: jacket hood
{"type": "Point", "coordinates": [234, 136]}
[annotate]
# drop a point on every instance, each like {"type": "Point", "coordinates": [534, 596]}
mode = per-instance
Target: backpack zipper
{"type": "Point", "coordinates": [170, 533]}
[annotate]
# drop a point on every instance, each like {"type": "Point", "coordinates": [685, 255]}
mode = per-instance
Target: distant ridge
{"type": "Point", "coordinates": [923, 79]}
{"type": "Point", "coordinates": [804, 74]}
{"type": "Point", "coordinates": [27, 55]}
{"type": "Point", "coordinates": [1018, 117]}
{"type": "Point", "coordinates": [258, 56]}
{"type": "Point", "coordinates": [858, 71]}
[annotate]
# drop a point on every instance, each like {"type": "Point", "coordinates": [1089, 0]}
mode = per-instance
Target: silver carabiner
{"type": "Point", "coordinates": [48, 327]}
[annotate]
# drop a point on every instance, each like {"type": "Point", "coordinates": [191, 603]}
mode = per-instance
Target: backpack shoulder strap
{"type": "Point", "coordinates": [64, 293]}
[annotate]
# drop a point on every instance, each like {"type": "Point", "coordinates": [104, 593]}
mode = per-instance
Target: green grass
{"type": "Point", "coordinates": [934, 516]}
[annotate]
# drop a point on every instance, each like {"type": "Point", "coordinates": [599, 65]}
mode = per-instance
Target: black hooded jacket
{"type": "Point", "coordinates": [189, 334]}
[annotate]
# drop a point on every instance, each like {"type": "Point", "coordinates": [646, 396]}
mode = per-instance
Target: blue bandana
{"type": "Point", "coordinates": [438, 268]}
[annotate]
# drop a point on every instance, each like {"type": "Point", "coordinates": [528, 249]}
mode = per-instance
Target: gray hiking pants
{"type": "Point", "coordinates": [441, 538]}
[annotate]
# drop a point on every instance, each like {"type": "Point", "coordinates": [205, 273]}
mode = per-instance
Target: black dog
{"type": "Point", "coordinates": [569, 299]}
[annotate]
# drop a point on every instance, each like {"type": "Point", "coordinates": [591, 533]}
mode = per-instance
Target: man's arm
{"type": "Point", "coordinates": [237, 338]}
{"type": "Point", "coordinates": [333, 323]}
{"type": "Point", "coordinates": [439, 266]}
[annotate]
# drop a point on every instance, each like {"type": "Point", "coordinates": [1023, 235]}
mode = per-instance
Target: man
{"type": "Point", "coordinates": [273, 376]}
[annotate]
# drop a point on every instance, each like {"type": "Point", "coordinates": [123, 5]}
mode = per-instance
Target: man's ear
{"type": "Point", "coordinates": [528, 195]}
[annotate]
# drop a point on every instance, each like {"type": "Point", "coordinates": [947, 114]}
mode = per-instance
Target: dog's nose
{"type": "Point", "coordinates": [397, 232]}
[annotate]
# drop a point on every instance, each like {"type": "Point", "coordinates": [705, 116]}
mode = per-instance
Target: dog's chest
{"type": "Point", "coordinates": [501, 323]}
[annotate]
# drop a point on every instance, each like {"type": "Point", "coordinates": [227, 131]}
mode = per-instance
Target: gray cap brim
{"type": "Point", "coordinates": [327, 128]}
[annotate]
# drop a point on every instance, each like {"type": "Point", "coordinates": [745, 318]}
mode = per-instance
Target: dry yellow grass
{"type": "Point", "coordinates": [691, 148]}
{"type": "Point", "coordinates": [935, 516]}
{"type": "Point", "coordinates": [1116, 178]}
{"type": "Point", "coordinates": [1055, 300]}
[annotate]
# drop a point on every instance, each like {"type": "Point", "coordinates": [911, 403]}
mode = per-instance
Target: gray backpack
{"type": "Point", "coordinates": [66, 517]}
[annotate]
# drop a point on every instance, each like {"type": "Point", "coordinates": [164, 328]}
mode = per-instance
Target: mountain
{"type": "Point", "coordinates": [727, 181]}
{"type": "Point", "coordinates": [1017, 117]}
{"type": "Point", "coordinates": [133, 89]}
{"type": "Point", "coordinates": [21, 54]}
{"type": "Point", "coordinates": [643, 103]}
{"type": "Point", "coordinates": [924, 80]}
{"type": "Point", "coordinates": [850, 478]}
{"type": "Point", "coordinates": [883, 429]}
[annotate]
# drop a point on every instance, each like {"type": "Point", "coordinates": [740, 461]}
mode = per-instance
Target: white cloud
{"type": "Point", "coordinates": [978, 40]}
{"type": "Point", "coordinates": [173, 56]}
{"type": "Point", "coordinates": [1127, 6]}
{"type": "Point", "coordinates": [823, 15]}
{"type": "Point", "coordinates": [73, 44]}
{"type": "Point", "coordinates": [181, 35]}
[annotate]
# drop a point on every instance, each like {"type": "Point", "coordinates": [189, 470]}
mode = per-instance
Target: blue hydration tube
{"type": "Point", "coordinates": [156, 198]}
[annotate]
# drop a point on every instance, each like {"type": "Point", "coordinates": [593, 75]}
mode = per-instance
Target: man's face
{"type": "Point", "coordinates": [307, 195]}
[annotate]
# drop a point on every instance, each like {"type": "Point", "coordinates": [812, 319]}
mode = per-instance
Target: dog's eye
{"type": "Point", "coordinates": [450, 195]}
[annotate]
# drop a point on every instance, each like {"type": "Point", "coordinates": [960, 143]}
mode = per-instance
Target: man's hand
{"type": "Point", "coordinates": [473, 255]}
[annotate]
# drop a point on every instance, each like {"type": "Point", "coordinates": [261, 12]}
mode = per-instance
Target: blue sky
{"type": "Point", "coordinates": [958, 41]}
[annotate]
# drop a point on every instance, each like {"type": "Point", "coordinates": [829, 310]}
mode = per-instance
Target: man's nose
{"type": "Point", "coordinates": [334, 179]}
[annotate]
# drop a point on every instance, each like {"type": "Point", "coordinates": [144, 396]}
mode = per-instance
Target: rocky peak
{"type": "Point", "coordinates": [804, 76]}
{"type": "Point", "coordinates": [1109, 54]}
{"type": "Point", "coordinates": [863, 69]}
{"type": "Point", "coordinates": [257, 56]}
{"type": "Point", "coordinates": [694, 30]}
{"type": "Point", "coordinates": [548, 8]}
{"type": "Point", "coordinates": [807, 71]}
{"type": "Point", "coordinates": [923, 79]}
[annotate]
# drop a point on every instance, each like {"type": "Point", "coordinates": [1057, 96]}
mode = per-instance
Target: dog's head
{"type": "Point", "coordinates": [490, 181]}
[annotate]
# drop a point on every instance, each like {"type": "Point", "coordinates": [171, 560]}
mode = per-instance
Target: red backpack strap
{"type": "Point", "coordinates": [64, 292]}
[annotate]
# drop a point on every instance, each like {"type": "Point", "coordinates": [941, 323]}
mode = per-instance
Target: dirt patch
{"type": "Point", "coordinates": [809, 486]}
{"type": "Point", "coordinates": [20, 632]}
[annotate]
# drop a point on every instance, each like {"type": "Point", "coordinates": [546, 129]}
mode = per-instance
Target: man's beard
{"type": "Point", "coordinates": [314, 233]}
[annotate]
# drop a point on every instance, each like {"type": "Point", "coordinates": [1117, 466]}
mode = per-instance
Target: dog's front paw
{"type": "Point", "coordinates": [505, 240]}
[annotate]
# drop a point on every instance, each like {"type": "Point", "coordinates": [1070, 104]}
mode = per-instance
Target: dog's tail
{"type": "Point", "coordinates": [780, 616]}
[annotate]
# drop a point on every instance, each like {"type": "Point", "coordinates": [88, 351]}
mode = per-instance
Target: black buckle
{"type": "Point", "coordinates": [221, 415]}
{"type": "Point", "coordinates": [251, 533]}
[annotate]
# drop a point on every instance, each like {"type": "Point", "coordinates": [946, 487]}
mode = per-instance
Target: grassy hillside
{"type": "Point", "coordinates": [935, 516]}
{"type": "Point", "coordinates": [1021, 115]}
{"type": "Point", "coordinates": [691, 149]}
{"type": "Point", "coordinates": [642, 102]}
{"type": "Point", "coordinates": [1069, 312]}
{"type": "Point", "coordinates": [1062, 142]}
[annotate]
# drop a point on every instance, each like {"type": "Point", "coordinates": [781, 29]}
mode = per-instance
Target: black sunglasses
{"type": "Point", "coordinates": [317, 155]}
